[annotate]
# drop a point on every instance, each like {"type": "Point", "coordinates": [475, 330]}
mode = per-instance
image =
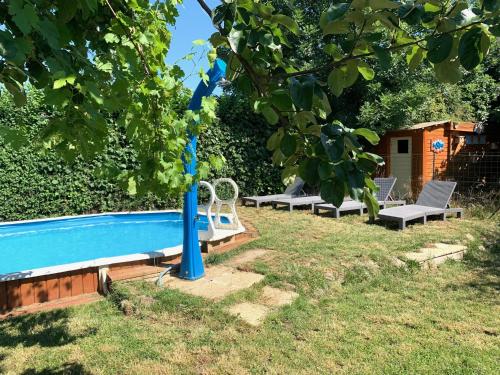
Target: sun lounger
{"type": "Point", "coordinates": [432, 201]}
{"type": "Point", "coordinates": [298, 201]}
{"type": "Point", "coordinates": [383, 197]}
{"type": "Point", "coordinates": [293, 190]}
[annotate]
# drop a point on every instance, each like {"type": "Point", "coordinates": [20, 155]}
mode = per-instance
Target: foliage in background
{"type": "Point", "coordinates": [108, 56]}
{"type": "Point", "coordinates": [356, 36]}
{"type": "Point", "coordinates": [99, 59]}
{"type": "Point", "coordinates": [399, 98]}
{"type": "Point", "coordinates": [36, 184]}
{"type": "Point", "coordinates": [240, 137]}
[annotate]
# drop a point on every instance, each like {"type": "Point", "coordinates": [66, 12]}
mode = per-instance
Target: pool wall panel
{"type": "Point", "coordinates": [3, 297]}
{"type": "Point", "coordinates": [26, 292]}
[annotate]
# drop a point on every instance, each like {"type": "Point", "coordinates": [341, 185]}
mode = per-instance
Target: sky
{"type": "Point", "coordinates": [192, 24]}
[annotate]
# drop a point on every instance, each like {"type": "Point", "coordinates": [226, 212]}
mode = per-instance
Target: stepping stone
{"type": "Point", "coordinates": [219, 282]}
{"type": "Point", "coordinates": [252, 313]}
{"type": "Point", "coordinates": [277, 297]}
{"type": "Point", "coordinates": [433, 256]}
{"type": "Point", "coordinates": [247, 256]}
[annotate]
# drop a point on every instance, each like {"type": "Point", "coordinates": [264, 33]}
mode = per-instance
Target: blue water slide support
{"type": "Point", "coordinates": [192, 262]}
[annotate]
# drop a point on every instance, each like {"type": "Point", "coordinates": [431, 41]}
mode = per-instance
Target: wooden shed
{"type": "Point", "coordinates": [423, 151]}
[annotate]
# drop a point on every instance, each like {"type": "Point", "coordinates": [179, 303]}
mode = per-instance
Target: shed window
{"type": "Point", "coordinates": [403, 146]}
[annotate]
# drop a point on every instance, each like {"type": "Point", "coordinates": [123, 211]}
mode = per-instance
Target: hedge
{"type": "Point", "coordinates": [35, 184]}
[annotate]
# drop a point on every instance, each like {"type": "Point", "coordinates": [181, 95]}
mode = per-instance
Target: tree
{"type": "Point", "coordinates": [98, 56]}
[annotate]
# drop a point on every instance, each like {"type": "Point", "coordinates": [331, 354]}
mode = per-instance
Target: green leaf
{"type": "Point", "coordinates": [132, 186]}
{"type": "Point", "coordinates": [333, 130]}
{"type": "Point", "coordinates": [334, 147]}
{"type": "Point", "coordinates": [270, 114]}
{"type": "Point", "coordinates": [274, 140]}
{"type": "Point", "coordinates": [415, 58]}
{"type": "Point", "coordinates": [25, 18]}
{"type": "Point", "coordinates": [333, 13]}
{"type": "Point", "coordinates": [66, 10]}
{"type": "Point", "coordinates": [367, 134]}
{"type": "Point", "coordinates": [308, 171]}
{"type": "Point", "coordinates": [325, 170]}
{"type": "Point", "coordinates": [350, 73]}
{"type": "Point", "coordinates": [333, 191]}
{"type": "Point", "coordinates": [302, 91]}
{"type": "Point", "coordinates": [366, 71]}
{"type": "Point", "coordinates": [355, 183]}
{"type": "Point", "coordinates": [288, 145]}
{"type": "Point", "coordinates": [111, 38]}
{"type": "Point", "coordinates": [199, 42]}
{"type": "Point", "coordinates": [491, 5]}
{"type": "Point", "coordinates": [282, 100]}
{"type": "Point", "coordinates": [333, 50]}
{"type": "Point", "coordinates": [470, 48]}
{"type": "Point", "coordinates": [233, 67]}
{"type": "Point", "coordinates": [432, 7]}
{"type": "Point", "coordinates": [61, 82]}
{"type": "Point", "coordinates": [286, 21]}
{"type": "Point", "coordinates": [383, 4]}
{"type": "Point", "coordinates": [336, 82]}
{"type": "Point", "coordinates": [383, 55]}
{"type": "Point", "coordinates": [448, 71]}
{"type": "Point", "coordinates": [371, 203]}
{"type": "Point", "coordinates": [439, 48]}
{"type": "Point", "coordinates": [237, 40]}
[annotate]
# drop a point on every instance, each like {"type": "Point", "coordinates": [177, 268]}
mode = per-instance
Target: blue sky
{"type": "Point", "coordinates": [193, 23]}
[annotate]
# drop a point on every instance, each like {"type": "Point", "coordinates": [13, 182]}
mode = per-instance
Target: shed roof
{"type": "Point", "coordinates": [423, 125]}
{"type": "Point", "coordinates": [468, 127]}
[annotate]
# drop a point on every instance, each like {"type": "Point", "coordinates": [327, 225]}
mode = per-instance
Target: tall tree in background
{"type": "Point", "coordinates": [103, 56]}
{"type": "Point", "coordinates": [399, 95]}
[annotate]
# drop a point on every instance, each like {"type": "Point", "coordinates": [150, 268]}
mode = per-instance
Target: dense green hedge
{"type": "Point", "coordinates": [241, 138]}
{"type": "Point", "coordinates": [35, 184]}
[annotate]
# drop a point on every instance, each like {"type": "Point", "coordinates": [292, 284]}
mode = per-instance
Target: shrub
{"type": "Point", "coordinates": [37, 184]}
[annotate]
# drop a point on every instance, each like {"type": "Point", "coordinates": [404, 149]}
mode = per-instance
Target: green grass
{"type": "Point", "coordinates": [356, 312]}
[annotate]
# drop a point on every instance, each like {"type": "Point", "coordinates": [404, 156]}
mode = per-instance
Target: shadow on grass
{"type": "Point", "coordinates": [47, 329]}
{"type": "Point", "coordinates": [2, 369]}
{"type": "Point", "coordinates": [66, 369]}
{"type": "Point", "coordinates": [486, 263]}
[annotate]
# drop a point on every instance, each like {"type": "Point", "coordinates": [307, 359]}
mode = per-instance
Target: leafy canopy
{"type": "Point", "coordinates": [102, 61]}
{"type": "Point", "coordinates": [103, 57]}
{"type": "Point", "coordinates": [355, 35]}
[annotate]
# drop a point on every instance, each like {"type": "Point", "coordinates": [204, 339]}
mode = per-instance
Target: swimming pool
{"type": "Point", "coordinates": [27, 248]}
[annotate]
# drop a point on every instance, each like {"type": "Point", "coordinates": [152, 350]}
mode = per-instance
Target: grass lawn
{"type": "Point", "coordinates": [356, 313]}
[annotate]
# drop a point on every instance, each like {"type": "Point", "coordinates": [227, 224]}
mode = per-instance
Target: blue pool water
{"type": "Point", "coordinates": [27, 246]}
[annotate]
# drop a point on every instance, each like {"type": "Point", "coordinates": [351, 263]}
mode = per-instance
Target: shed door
{"type": "Point", "coordinates": [401, 164]}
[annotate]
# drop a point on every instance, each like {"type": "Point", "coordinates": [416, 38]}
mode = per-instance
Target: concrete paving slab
{"type": "Point", "coordinates": [252, 313]}
{"type": "Point", "coordinates": [219, 282]}
{"type": "Point", "coordinates": [437, 254]}
{"type": "Point", "coordinates": [277, 297]}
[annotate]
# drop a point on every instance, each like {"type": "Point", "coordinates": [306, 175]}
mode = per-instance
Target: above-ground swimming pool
{"type": "Point", "coordinates": [28, 248]}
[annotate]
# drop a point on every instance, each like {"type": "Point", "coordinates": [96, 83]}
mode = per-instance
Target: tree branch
{"type": "Point", "coordinates": [334, 64]}
{"type": "Point", "coordinates": [251, 72]}
{"type": "Point", "coordinates": [131, 38]}
{"type": "Point", "coordinates": [205, 7]}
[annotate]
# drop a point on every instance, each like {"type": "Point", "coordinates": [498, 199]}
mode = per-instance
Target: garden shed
{"type": "Point", "coordinates": [425, 151]}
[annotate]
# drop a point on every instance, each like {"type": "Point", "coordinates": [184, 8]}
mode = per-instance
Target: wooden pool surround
{"type": "Point", "coordinates": [31, 293]}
